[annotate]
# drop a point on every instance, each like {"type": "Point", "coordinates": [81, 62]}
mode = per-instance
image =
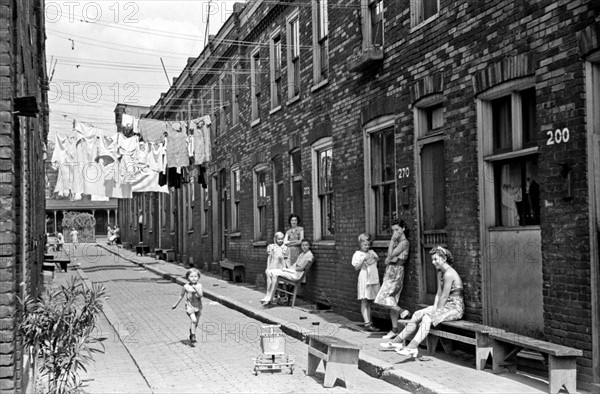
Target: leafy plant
{"type": "Point", "coordinates": [58, 328]}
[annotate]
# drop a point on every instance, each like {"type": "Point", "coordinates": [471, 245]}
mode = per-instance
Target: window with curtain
{"type": "Point", "coordinates": [255, 84]}
{"type": "Point", "coordinates": [510, 124]}
{"type": "Point", "coordinates": [275, 70]}
{"type": "Point", "coordinates": [296, 181]}
{"type": "Point", "coordinates": [260, 204]}
{"type": "Point", "coordinates": [293, 54]}
{"type": "Point", "coordinates": [323, 198]}
{"type": "Point", "coordinates": [320, 41]}
{"type": "Point", "coordinates": [235, 199]}
{"type": "Point", "coordinates": [383, 180]}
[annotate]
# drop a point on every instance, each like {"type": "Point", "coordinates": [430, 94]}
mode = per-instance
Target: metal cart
{"type": "Point", "coordinates": [273, 357]}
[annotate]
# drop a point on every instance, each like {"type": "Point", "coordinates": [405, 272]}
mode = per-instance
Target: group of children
{"type": "Point", "coordinates": [448, 304]}
{"type": "Point", "coordinates": [59, 242]}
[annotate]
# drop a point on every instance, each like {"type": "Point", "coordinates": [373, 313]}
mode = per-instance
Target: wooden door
{"type": "Point", "coordinates": [433, 212]}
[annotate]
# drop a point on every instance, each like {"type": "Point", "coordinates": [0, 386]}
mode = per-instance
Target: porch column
{"type": "Point", "coordinates": [107, 215]}
{"type": "Point", "coordinates": [54, 212]}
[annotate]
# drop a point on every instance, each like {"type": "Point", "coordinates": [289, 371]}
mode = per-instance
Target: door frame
{"type": "Point", "coordinates": [592, 73]}
{"type": "Point", "coordinates": [421, 138]}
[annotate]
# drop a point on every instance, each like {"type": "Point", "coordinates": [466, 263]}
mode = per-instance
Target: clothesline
{"type": "Point", "coordinates": [157, 155]}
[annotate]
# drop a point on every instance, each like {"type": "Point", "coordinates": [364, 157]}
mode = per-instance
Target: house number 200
{"type": "Point", "coordinates": [403, 172]}
{"type": "Point", "coordinates": [557, 136]}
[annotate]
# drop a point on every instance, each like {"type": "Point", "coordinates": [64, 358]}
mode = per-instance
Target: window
{"type": "Point", "coordinates": [422, 11]}
{"type": "Point", "coordinates": [163, 211]}
{"type": "Point", "coordinates": [222, 105]}
{"type": "Point", "coordinates": [296, 181]}
{"type": "Point", "coordinates": [275, 70]}
{"type": "Point", "coordinates": [278, 193]}
{"type": "Point", "coordinates": [189, 205]}
{"type": "Point", "coordinates": [260, 203]}
{"type": "Point", "coordinates": [380, 178]}
{"type": "Point", "coordinates": [372, 23]}
{"type": "Point", "coordinates": [134, 214]}
{"type": "Point", "coordinates": [151, 212]}
{"type": "Point", "coordinates": [235, 199]}
{"type": "Point", "coordinates": [255, 84]}
{"type": "Point", "coordinates": [235, 109]}
{"type": "Point", "coordinates": [293, 55]}
{"type": "Point", "coordinates": [510, 154]}
{"type": "Point", "coordinates": [215, 109]}
{"type": "Point", "coordinates": [172, 204]}
{"type": "Point", "coordinates": [144, 210]}
{"type": "Point", "coordinates": [320, 41]}
{"type": "Point", "coordinates": [323, 202]}
{"type": "Point", "coordinates": [204, 206]}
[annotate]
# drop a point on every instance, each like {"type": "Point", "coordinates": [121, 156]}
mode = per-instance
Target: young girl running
{"type": "Point", "coordinates": [193, 300]}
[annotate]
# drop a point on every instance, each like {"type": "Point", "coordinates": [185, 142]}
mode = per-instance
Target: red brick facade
{"type": "Point", "coordinates": [535, 273]}
{"type": "Point", "coordinates": [23, 129]}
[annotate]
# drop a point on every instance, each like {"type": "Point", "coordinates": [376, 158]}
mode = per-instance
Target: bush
{"type": "Point", "coordinates": [58, 327]}
{"type": "Point", "coordinates": [84, 222]}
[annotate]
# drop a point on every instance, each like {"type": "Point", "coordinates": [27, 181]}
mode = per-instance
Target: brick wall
{"type": "Point", "coordinates": [22, 205]}
{"type": "Point", "coordinates": [460, 51]}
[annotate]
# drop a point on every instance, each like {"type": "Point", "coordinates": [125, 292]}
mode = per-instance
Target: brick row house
{"type": "Point", "coordinates": [477, 122]}
{"type": "Point", "coordinates": [23, 131]}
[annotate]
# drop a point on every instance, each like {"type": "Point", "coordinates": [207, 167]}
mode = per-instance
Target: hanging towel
{"type": "Point", "coordinates": [152, 130]}
{"type": "Point", "coordinates": [177, 153]}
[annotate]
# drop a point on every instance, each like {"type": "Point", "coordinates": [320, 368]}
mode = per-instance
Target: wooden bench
{"type": "Point", "coordinates": [60, 263]}
{"type": "Point", "coordinates": [48, 266]}
{"type": "Point", "coordinates": [562, 365]}
{"type": "Point", "coordinates": [339, 357]}
{"type": "Point", "coordinates": [481, 339]}
{"type": "Point", "coordinates": [235, 270]}
{"type": "Point", "coordinates": [294, 284]}
{"type": "Point", "coordinates": [142, 249]}
{"type": "Point", "coordinates": [169, 254]}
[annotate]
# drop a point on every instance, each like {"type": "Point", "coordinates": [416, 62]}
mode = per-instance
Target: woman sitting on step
{"type": "Point", "coordinates": [448, 305]}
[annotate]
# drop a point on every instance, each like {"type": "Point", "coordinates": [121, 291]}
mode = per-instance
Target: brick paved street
{"type": "Point", "coordinates": [155, 340]}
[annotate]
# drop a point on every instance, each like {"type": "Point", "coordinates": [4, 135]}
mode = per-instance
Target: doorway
{"type": "Point", "coordinates": [432, 202]}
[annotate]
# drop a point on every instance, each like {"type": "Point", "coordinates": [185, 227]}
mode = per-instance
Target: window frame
{"type": "Point", "coordinates": [371, 128]}
{"type": "Point", "coordinates": [235, 198]}
{"type": "Point", "coordinates": [172, 205]}
{"type": "Point", "coordinates": [295, 176]}
{"type": "Point", "coordinates": [275, 67]}
{"type": "Point", "coordinates": [293, 55]}
{"type": "Point", "coordinates": [489, 159]}
{"type": "Point", "coordinates": [235, 109]}
{"type": "Point", "coordinates": [255, 86]}
{"type": "Point", "coordinates": [189, 206]}
{"type": "Point", "coordinates": [222, 104]}
{"type": "Point", "coordinates": [321, 145]}
{"type": "Point", "coordinates": [278, 206]}
{"type": "Point", "coordinates": [260, 203]}
{"type": "Point", "coordinates": [320, 42]}
{"type": "Point", "coordinates": [417, 18]}
{"type": "Point", "coordinates": [204, 208]}
{"type": "Point", "coordinates": [367, 24]}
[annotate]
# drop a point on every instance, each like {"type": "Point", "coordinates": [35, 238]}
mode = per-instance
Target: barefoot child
{"type": "Point", "coordinates": [193, 300]}
{"type": "Point", "coordinates": [365, 261]}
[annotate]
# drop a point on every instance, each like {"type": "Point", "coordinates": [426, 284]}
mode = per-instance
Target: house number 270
{"type": "Point", "coordinates": [557, 136]}
{"type": "Point", "coordinates": [403, 172]}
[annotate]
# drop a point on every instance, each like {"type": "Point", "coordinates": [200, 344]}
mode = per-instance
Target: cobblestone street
{"type": "Point", "coordinates": [153, 338]}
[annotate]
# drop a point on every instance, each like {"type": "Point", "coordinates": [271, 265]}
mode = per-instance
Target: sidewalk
{"type": "Point", "coordinates": [440, 373]}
